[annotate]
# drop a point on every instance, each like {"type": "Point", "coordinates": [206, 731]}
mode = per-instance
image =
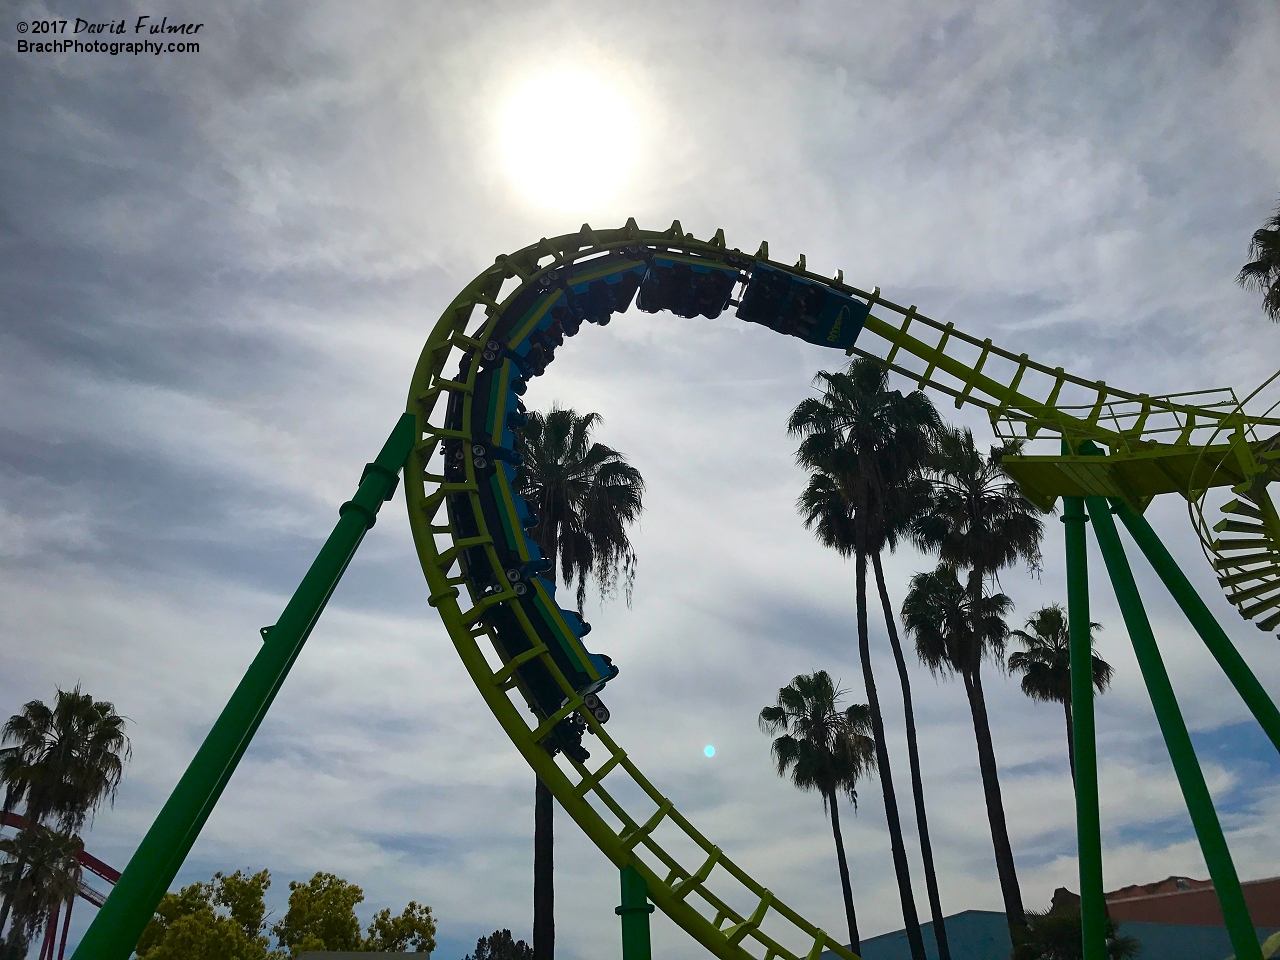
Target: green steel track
{"type": "Point", "coordinates": [1184, 443]}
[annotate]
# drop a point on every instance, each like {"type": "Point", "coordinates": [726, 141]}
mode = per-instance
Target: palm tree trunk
{"type": "Point", "coordinates": [544, 895]}
{"type": "Point", "coordinates": [1014, 913]}
{"type": "Point", "coordinates": [900, 865]}
{"type": "Point", "coordinates": [913, 754]}
{"type": "Point", "coordinates": [544, 872]}
{"type": "Point", "coordinates": [1071, 742]}
{"type": "Point", "coordinates": [855, 944]}
{"type": "Point", "coordinates": [10, 892]}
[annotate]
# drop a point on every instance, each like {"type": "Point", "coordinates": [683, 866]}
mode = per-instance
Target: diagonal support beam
{"type": "Point", "coordinates": [1195, 792]}
{"type": "Point", "coordinates": [1211, 632]}
{"type": "Point", "coordinates": [114, 933]}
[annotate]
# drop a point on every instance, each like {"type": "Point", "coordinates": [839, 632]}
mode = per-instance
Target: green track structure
{"type": "Point", "coordinates": [1111, 449]}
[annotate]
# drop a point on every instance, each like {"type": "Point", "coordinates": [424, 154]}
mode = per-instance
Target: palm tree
{"type": "Point", "coordinates": [43, 872]}
{"type": "Point", "coordinates": [63, 762]}
{"type": "Point", "coordinates": [825, 749]}
{"type": "Point", "coordinates": [902, 507]}
{"type": "Point", "coordinates": [585, 495]}
{"type": "Point", "coordinates": [832, 522]}
{"type": "Point", "coordinates": [953, 635]}
{"type": "Point", "coordinates": [978, 520]}
{"type": "Point", "coordinates": [864, 446]}
{"type": "Point", "coordinates": [1045, 665]}
{"type": "Point", "coordinates": [1263, 270]}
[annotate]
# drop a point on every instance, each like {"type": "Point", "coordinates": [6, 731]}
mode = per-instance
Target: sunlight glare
{"type": "Point", "coordinates": [568, 138]}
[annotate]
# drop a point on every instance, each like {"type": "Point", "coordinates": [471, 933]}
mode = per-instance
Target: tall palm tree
{"type": "Point", "coordinates": [953, 634]}
{"type": "Point", "coordinates": [585, 495]}
{"type": "Point", "coordinates": [832, 523]}
{"type": "Point", "coordinates": [1263, 270]}
{"type": "Point", "coordinates": [825, 749]}
{"type": "Point", "coordinates": [1045, 665]}
{"type": "Point", "coordinates": [978, 520]}
{"type": "Point", "coordinates": [864, 446]}
{"type": "Point", "coordinates": [63, 762]}
{"type": "Point", "coordinates": [904, 504]}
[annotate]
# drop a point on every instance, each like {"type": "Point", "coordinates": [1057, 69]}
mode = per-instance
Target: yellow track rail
{"type": "Point", "coordinates": [1153, 448]}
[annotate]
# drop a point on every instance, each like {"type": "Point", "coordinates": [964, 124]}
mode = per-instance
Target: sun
{"type": "Point", "coordinates": [568, 138]}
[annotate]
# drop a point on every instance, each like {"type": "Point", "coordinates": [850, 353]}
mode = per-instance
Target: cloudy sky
{"type": "Point", "coordinates": [218, 271]}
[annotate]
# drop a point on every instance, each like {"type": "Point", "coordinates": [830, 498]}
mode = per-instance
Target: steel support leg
{"type": "Point", "coordinates": [1211, 632]}
{"type": "Point", "coordinates": [115, 930]}
{"type": "Point", "coordinates": [635, 912]}
{"type": "Point", "coordinates": [1093, 907]}
{"type": "Point", "coordinates": [1190, 778]}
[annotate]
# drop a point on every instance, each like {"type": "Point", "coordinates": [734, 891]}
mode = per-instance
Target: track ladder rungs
{"type": "Point", "coordinates": [1266, 556]}
{"type": "Point", "coordinates": [592, 780]}
{"type": "Point", "coordinates": [629, 838]}
{"type": "Point", "coordinates": [819, 945]}
{"type": "Point", "coordinates": [739, 930]}
{"type": "Point", "coordinates": [1243, 509]}
{"type": "Point", "coordinates": [446, 559]}
{"type": "Point", "coordinates": [504, 679]}
{"type": "Point", "coordinates": [684, 887]}
{"type": "Point", "coordinates": [1228, 525]}
{"type": "Point", "coordinates": [1252, 610]}
{"type": "Point", "coordinates": [1245, 577]}
{"type": "Point", "coordinates": [547, 725]}
{"type": "Point", "coordinates": [1232, 543]}
{"type": "Point", "coordinates": [1255, 591]}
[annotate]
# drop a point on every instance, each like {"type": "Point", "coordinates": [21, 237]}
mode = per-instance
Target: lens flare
{"type": "Point", "coordinates": [709, 750]}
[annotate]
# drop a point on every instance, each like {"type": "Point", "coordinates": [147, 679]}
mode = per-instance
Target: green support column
{"type": "Point", "coordinates": [634, 912]}
{"type": "Point", "coordinates": [115, 930]}
{"type": "Point", "coordinates": [1190, 778]}
{"type": "Point", "coordinates": [1093, 907]}
{"type": "Point", "coordinates": [1211, 632]}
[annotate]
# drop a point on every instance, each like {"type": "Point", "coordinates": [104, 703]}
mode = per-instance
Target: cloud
{"type": "Point", "coordinates": [219, 271]}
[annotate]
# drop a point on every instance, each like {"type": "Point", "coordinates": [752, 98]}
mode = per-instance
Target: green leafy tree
{"type": "Point", "coordinates": [824, 748]}
{"type": "Point", "coordinates": [500, 945]}
{"type": "Point", "coordinates": [865, 447]}
{"type": "Point", "coordinates": [219, 920]}
{"type": "Point", "coordinates": [321, 916]}
{"type": "Point", "coordinates": [225, 919]}
{"type": "Point", "coordinates": [978, 521]}
{"type": "Point", "coordinates": [1262, 272]}
{"type": "Point", "coordinates": [413, 931]}
{"type": "Point", "coordinates": [585, 496]}
{"type": "Point", "coordinates": [1045, 665]}
{"type": "Point", "coordinates": [62, 763]}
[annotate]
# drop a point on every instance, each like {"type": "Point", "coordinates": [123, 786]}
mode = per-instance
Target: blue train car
{"type": "Point", "coordinates": [802, 308]}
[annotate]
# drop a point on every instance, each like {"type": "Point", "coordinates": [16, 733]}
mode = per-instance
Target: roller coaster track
{"type": "Point", "coordinates": [1182, 443]}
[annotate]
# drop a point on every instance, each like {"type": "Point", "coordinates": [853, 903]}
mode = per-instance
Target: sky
{"type": "Point", "coordinates": [218, 271]}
